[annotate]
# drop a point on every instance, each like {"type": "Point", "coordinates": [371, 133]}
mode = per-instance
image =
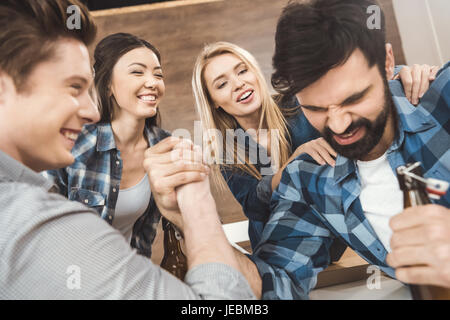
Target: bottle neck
{"type": "Point", "coordinates": [171, 242]}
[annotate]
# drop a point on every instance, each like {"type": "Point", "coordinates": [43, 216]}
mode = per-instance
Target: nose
{"type": "Point", "coordinates": [238, 84]}
{"type": "Point", "coordinates": [89, 109]}
{"type": "Point", "coordinates": [150, 82]}
{"type": "Point", "coordinates": [338, 119]}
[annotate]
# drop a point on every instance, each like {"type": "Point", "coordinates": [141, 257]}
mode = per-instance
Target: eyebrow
{"type": "Point", "coordinates": [223, 75]}
{"type": "Point", "coordinates": [86, 79]}
{"type": "Point", "coordinates": [144, 66]}
{"type": "Point", "coordinates": [349, 100]}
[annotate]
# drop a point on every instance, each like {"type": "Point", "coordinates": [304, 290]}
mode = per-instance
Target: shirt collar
{"type": "Point", "coordinates": [105, 137]}
{"type": "Point", "coordinates": [13, 170]}
{"type": "Point", "coordinates": [410, 119]}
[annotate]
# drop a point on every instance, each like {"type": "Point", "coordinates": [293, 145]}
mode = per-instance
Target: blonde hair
{"type": "Point", "coordinates": [216, 120]}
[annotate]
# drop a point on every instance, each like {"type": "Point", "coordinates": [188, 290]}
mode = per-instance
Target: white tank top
{"type": "Point", "coordinates": [131, 204]}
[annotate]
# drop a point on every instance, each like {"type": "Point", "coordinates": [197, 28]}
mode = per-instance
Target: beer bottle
{"type": "Point", "coordinates": [413, 186]}
{"type": "Point", "coordinates": [174, 259]}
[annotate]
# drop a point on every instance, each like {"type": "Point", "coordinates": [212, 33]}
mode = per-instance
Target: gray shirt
{"type": "Point", "coordinates": [53, 248]}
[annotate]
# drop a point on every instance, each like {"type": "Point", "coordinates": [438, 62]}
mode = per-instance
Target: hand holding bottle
{"type": "Point", "coordinates": [421, 245]}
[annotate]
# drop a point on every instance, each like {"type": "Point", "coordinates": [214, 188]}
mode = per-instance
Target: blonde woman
{"type": "Point", "coordinates": [252, 135]}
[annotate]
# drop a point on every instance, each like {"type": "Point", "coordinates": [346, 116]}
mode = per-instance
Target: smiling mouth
{"type": "Point", "coordinates": [245, 96]}
{"type": "Point", "coordinates": [70, 134]}
{"type": "Point", "coordinates": [148, 98]}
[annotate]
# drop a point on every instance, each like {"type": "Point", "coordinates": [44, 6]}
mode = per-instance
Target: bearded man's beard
{"type": "Point", "coordinates": [373, 134]}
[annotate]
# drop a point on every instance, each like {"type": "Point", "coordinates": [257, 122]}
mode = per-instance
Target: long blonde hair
{"type": "Point", "coordinates": [217, 120]}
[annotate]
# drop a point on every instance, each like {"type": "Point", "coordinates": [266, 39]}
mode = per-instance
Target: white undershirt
{"type": "Point", "coordinates": [131, 204]}
{"type": "Point", "coordinates": [381, 197]}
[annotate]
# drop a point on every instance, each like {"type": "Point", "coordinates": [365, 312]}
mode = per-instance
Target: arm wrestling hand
{"type": "Point", "coordinates": [169, 164]}
{"type": "Point", "coordinates": [190, 195]}
{"type": "Point", "coordinates": [421, 245]}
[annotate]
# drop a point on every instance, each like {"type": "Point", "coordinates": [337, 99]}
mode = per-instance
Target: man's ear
{"type": "Point", "coordinates": [390, 62]}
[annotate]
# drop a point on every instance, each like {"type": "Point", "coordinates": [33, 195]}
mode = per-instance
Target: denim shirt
{"type": "Point", "coordinates": [94, 180]}
{"type": "Point", "coordinates": [253, 194]}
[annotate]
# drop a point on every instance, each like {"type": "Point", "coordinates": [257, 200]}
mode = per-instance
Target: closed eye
{"type": "Point", "coordinates": [357, 97]}
{"type": "Point", "coordinates": [222, 85]}
{"type": "Point", "coordinates": [314, 108]}
{"type": "Point", "coordinates": [77, 87]}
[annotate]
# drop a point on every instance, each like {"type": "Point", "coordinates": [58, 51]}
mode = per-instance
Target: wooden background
{"type": "Point", "coordinates": [179, 29]}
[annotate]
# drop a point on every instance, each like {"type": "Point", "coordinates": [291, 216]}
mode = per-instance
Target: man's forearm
{"type": "Point", "coordinates": [250, 272]}
{"type": "Point", "coordinates": [204, 236]}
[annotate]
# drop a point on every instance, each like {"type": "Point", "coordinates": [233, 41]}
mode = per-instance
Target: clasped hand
{"type": "Point", "coordinates": [178, 177]}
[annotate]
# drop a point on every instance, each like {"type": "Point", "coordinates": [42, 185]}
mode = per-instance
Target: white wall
{"type": "Point", "coordinates": [424, 27]}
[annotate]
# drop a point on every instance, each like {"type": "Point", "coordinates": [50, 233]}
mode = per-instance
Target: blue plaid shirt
{"type": "Point", "coordinates": [315, 207]}
{"type": "Point", "coordinates": [94, 179]}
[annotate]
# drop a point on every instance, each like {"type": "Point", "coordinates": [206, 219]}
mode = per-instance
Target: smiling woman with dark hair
{"type": "Point", "coordinates": [108, 173]}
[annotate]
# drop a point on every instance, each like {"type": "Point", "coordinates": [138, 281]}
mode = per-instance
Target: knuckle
{"type": "Point", "coordinates": [394, 240]}
{"type": "Point", "coordinates": [441, 252]}
{"type": "Point", "coordinates": [175, 155]}
{"type": "Point", "coordinates": [181, 165]}
{"type": "Point", "coordinates": [417, 78]}
{"type": "Point", "coordinates": [147, 164]}
{"type": "Point", "coordinates": [408, 81]}
{"type": "Point", "coordinates": [183, 178]}
{"type": "Point", "coordinates": [402, 274]}
{"type": "Point", "coordinates": [157, 186]}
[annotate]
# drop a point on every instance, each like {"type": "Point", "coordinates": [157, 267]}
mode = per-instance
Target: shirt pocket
{"type": "Point", "coordinates": [88, 197]}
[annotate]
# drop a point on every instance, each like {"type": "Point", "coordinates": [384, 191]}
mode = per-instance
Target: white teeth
{"type": "Point", "coordinates": [70, 135]}
{"type": "Point", "coordinates": [148, 98]}
{"type": "Point", "coordinates": [246, 95]}
{"type": "Point", "coordinates": [347, 135]}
